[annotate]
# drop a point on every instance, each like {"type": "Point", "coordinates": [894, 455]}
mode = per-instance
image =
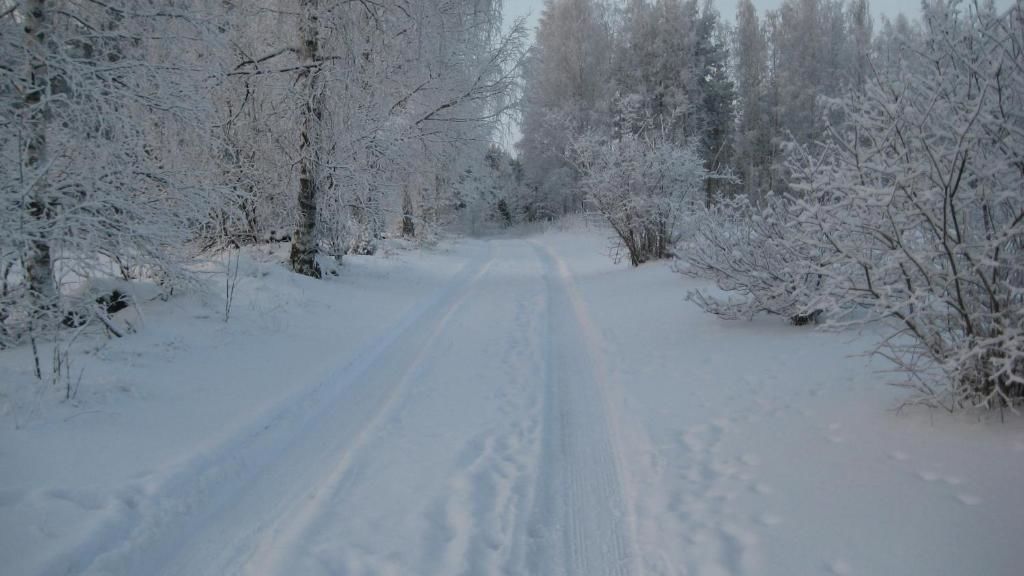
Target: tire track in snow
{"type": "Point", "coordinates": [244, 485]}
{"type": "Point", "coordinates": [272, 554]}
{"type": "Point", "coordinates": [451, 465]}
{"type": "Point", "coordinates": [581, 522]}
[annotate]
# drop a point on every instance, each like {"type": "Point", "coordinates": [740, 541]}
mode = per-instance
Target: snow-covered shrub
{"type": "Point", "coordinates": [922, 199]}
{"type": "Point", "coordinates": [641, 187]}
{"type": "Point", "coordinates": [757, 253]}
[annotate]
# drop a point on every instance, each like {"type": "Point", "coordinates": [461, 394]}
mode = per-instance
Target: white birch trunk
{"type": "Point", "coordinates": [38, 264]}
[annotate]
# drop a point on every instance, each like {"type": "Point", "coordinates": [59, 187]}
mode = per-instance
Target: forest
{"type": "Point", "coordinates": [140, 136]}
{"type": "Point", "coordinates": [816, 162]}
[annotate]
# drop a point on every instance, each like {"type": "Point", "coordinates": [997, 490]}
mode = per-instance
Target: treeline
{"type": "Point", "coordinates": [673, 70]}
{"type": "Point", "coordinates": [140, 135]}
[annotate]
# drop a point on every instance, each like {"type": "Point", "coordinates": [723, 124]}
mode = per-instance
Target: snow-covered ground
{"type": "Point", "coordinates": [504, 406]}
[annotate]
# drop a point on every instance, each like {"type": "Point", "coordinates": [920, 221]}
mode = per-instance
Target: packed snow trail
{"type": "Point", "coordinates": [530, 407]}
{"type": "Point", "coordinates": [526, 481]}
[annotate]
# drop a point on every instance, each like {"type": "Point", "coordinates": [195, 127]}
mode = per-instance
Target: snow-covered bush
{"type": "Point", "coordinates": [922, 200]}
{"type": "Point", "coordinates": [760, 255]}
{"type": "Point", "coordinates": [641, 187]}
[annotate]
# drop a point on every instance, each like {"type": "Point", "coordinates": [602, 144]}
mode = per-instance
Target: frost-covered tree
{"type": "Point", "coordinates": [861, 34]}
{"type": "Point", "coordinates": [105, 145]}
{"type": "Point", "coordinates": [911, 215]}
{"type": "Point", "coordinates": [788, 65]}
{"type": "Point", "coordinates": [714, 128]}
{"type": "Point", "coordinates": [403, 90]}
{"type": "Point", "coordinates": [304, 241]}
{"type": "Point", "coordinates": [565, 94]}
{"type": "Point", "coordinates": [138, 135]}
{"type": "Point", "coordinates": [921, 197]}
{"type": "Point", "coordinates": [647, 67]}
{"type": "Point", "coordinates": [655, 69]}
{"type": "Point", "coordinates": [39, 202]}
{"type": "Point", "coordinates": [752, 133]}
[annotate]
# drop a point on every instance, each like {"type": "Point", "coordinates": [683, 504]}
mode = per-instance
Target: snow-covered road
{"type": "Point", "coordinates": [472, 437]}
{"type": "Point", "coordinates": [541, 410]}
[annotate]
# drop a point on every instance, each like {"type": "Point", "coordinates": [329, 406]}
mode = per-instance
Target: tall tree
{"type": "Point", "coordinates": [751, 71]}
{"type": "Point", "coordinates": [104, 146]}
{"type": "Point", "coordinates": [717, 94]}
{"type": "Point", "coordinates": [304, 241]}
{"type": "Point", "coordinates": [37, 259]}
{"type": "Point", "coordinates": [566, 80]}
{"type": "Point", "coordinates": [861, 32]}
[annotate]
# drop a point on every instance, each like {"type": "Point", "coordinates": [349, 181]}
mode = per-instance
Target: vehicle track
{"type": "Point", "coordinates": [580, 523]}
{"type": "Point", "coordinates": [248, 484]}
{"type": "Point", "coordinates": [447, 470]}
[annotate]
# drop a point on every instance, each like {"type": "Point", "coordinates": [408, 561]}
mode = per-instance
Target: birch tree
{"type": "Point", "coordinates": [37, 260]}
{"type": "Point", "coordinates": [304, 241]}
{"type": "Point", "coordinates": [100, 123]}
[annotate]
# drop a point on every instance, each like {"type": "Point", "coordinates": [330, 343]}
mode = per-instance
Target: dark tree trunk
{"type": "Point", "coordinates": [303, 255]}
{"type": "Point", "coordinates": [408, 223]}
{"type": "Point", "coordinates": [304, 241]}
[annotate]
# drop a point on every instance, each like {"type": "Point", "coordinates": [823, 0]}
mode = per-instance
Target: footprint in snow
{"type": "Point", "coordinates": [952, 481]}
{"type": "Point", "coordinates": [834, 435]}
{"type": "Point", "coordinates": [840, 568]}
{"type": "Point", "coordinates": [969, 499]}
{"type": "Point", "coordinates": [11, 497]}
{"type": "Point", "coordinates": [898, 456]}
{"type": "Point", "coordinates": [750, 459]}
{"type": "Point", "coordinates": [770, 519]}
